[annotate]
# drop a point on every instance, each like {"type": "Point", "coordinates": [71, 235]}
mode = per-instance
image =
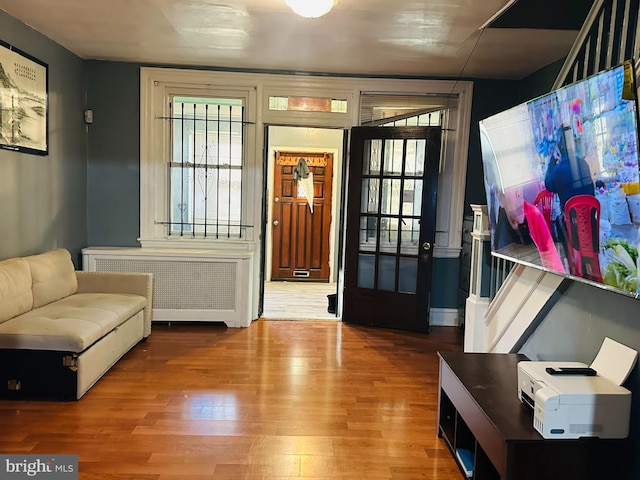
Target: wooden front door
{"type": "Point", "coordinates": [301, 238]}
{"type": "Point", "coordinates": [391, 211]}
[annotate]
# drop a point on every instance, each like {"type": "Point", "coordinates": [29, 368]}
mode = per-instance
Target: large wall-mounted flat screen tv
{"type": "Point", "coordinates": [561, 176]}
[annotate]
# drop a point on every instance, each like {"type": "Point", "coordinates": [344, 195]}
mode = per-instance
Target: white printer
{"type": "Point", "coordinates": [574, 404]}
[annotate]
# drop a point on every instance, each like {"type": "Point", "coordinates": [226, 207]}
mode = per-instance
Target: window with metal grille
{"type": "Point", "coordinates": [205, 167]}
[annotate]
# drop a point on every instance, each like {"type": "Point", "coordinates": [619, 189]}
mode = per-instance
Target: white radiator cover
{"type": "Point", "coordinates": [188, 285]}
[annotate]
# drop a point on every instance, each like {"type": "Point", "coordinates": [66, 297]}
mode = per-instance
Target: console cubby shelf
{"type": "Point", "coordinates": [459, 439]}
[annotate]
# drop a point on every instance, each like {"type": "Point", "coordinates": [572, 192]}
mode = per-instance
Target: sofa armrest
{"type": "Point", "coordinates": [120, 282]}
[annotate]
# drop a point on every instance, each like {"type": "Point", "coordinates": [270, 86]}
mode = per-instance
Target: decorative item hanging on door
{"type": "Point", "coordinates": [310, 159]}
{"type": "Point", "coordinates": [305, 181]}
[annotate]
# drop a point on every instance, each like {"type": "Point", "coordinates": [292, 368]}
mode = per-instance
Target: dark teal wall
{"type": "Point", "coordinates": [489, 98]}
{"type": "Point", "coordinates": [540, 82]}
{"type": "Point", "coordinates": [113, 154]}
{"type": "Point", "coordinates": [444, 283]}
{"type": "Point", "coordinates": [43, 199]}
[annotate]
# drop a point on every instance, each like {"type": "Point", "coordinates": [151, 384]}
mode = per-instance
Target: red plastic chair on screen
{"type": "Point", "coordinates": [544, 202]}
{"type": "Point", "coordinates": [582, 216]}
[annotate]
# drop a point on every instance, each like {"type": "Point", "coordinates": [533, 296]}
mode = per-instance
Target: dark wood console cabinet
{"type": "Point", "coordinates": [479, 412]}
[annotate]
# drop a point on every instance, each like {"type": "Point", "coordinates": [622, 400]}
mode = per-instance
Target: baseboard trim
{"type": "Point", "coordinates": [443, 317]}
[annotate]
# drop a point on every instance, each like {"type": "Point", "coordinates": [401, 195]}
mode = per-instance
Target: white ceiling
{"type": "Point", "coordinates": [363, 37]}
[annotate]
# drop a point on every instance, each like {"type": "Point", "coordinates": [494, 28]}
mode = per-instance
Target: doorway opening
{"type": "Point", "coordinates": [302, 231]}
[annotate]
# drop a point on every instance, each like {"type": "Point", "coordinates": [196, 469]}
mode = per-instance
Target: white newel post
{"type": "Point", "coordinates": [477, 303]}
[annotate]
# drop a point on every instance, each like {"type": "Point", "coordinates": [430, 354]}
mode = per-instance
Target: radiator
{"type": "Point", "coordinates": [188, 285]}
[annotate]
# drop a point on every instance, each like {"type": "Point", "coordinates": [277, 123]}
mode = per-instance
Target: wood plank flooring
{"type": "Point", "coordinates": [297, 301]}
{"type": "Point", "coordinates": [276, 400]}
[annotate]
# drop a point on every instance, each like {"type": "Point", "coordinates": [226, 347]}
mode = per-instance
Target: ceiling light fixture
{"type": "Point", "coordinates": [311, 8]}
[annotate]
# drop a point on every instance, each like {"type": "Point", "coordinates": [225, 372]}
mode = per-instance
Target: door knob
{"type": "Point", "coordinates": [426, 246]}
{"type": "Point", "coordinates": [277, 199]}
{"type": "Point", "coordinates": [275, 222]}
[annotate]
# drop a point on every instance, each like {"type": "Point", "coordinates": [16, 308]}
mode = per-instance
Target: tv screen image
{"type": "Point", "coordinates": [562, 183]}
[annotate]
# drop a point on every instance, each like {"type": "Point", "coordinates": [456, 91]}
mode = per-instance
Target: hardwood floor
{"type": "Point", "coordinates": [277, 400]}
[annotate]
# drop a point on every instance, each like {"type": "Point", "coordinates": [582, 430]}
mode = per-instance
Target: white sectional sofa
{"type": "Point", "coordinates": [62, 329]}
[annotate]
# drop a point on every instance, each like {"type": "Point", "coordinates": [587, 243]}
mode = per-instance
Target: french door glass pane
{"type": "Point", "coordinates": [370, 190]}
{"type": "Point", "coordinates": [366, 269]}
{"type": "Point", "coordinates": [408, 275]}
{"type": "Point", "coordinates": [410, 236]}
{"type": "Point", "coordinates": [368, 233]}
{"type": "Point", "coordinates": [412, 198]}
{"type": "Point", "coordinates": [387, 272]}
{"type": "Point", "coordinates": [393, 157]}
{"type": "Point", "coordinates": [388, 235]}
{"type": "Point", "coordinates": [414, 158]}
{"type": "Point", "coordinates": [372, 156]}
{"type": "Point", "coordinates": [391, 196]}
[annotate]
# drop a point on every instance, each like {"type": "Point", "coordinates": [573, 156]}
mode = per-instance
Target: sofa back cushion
{"type": "Point", "coordinates": [15, 288]}
{"type": "Point", "coordinates": [54, 276]}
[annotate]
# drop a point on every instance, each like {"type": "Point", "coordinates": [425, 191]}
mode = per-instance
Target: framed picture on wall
{"type": "Point", "coordinates": [24, 112]}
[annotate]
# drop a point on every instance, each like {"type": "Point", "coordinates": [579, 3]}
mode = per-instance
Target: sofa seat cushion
{"type": "Point", "coordinates": [71, 324]}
